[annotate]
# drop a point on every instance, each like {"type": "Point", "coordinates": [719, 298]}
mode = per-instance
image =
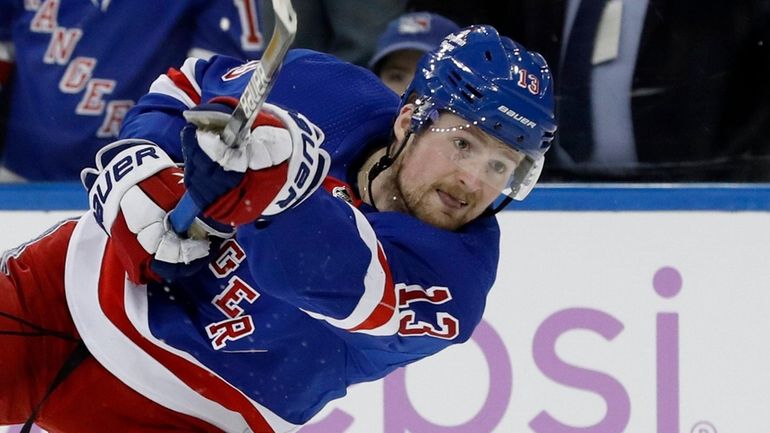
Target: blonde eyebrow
{"type": "Point", "coordinates": [476, 132]}
{"type": "Point", "coordinates": [512, 154]}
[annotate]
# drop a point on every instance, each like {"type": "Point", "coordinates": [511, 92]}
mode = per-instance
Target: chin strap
{"type": "Point", "coordinates": [383, 164]}
{"type": "Point", "coordinates": [490, 211]}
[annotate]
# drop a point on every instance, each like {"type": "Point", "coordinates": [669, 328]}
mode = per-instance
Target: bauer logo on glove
{"type": "Point", "coordinates": [120, 166]}
{"type": "Point", "coordinates": [131, 190]}
{"type": "Point", "coordinates": [307, 168]}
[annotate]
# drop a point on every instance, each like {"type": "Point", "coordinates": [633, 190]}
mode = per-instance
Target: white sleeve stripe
{"type": "Point", "coordinates": [137, 311]}
{"type": "Point", "coordinates": [125, 359]}
{"type": "Point", "coordinates": [165, 86]}
{"type": "Point", "coordinates": [374, 281]}
{"type": "Point", "coordinates": [188, 69]}
{"type": "Point", "coordinates": [113, 349]}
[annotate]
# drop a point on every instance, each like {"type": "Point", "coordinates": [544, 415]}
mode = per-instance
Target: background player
{"type": "Point", "coordinates": [80, 66]}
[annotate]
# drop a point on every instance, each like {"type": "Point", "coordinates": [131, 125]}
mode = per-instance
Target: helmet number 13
{"type": "Point", "coordinates": [529, 81]}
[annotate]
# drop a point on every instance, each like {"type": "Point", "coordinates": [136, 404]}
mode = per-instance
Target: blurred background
{"type": "Point", "coordinates": [642, 250]}
{"type": "Point", "coordinates": [647, 90]}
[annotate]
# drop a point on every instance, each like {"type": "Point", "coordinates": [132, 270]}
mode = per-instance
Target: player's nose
{"type": "Point", "coordinates": [471, 177]}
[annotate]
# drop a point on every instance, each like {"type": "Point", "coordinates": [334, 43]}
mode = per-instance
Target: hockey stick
{"type": "Point", "coordinates": [183, 216]}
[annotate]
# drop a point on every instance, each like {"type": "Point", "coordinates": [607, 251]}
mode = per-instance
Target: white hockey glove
{"type": "Point", "coordinates": [280, 164]}
{"type": "Point", "coordinates": [131, 190]}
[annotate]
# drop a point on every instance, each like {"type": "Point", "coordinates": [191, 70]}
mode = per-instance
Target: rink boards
{"type": "Point", "coordinates": [616, 309]}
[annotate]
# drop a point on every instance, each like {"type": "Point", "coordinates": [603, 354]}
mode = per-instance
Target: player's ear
{"type": "Point", "coordinates": [403, 121]}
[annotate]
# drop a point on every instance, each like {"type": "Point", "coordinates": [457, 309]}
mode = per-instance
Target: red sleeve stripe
{"type": "Point", "coordinates": [188, 69]}
{"type": "Point", "coordinates": [180, 84]}
{"type": "Point", "coordinates": [207, 384]}
{"type": "Point", "coordinates": [181, 81]}
{"type": "Point", "coordinates": [375, 312]}
{"type": "Point", "coordinates": [385, 310]}
{"type": "Point", "coordinates": [5, 73]}
{"type": "Point", "coordinates": [120, 338]}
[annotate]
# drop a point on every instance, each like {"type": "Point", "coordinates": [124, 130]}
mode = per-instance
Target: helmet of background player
{"type": "Point", "coordinates": [495, 84]}
{"type": "Point", "coordinates": [420, 31]}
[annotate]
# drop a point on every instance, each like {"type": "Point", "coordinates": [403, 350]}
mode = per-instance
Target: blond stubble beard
{"type": "Point", "coordinates": [415, 203]}
{"type": "Point", "coordinates": [396, 198]}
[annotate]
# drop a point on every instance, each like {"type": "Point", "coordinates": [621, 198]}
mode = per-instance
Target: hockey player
{"type": "Point", "coordinates": [365, 240]}
{"type": "Point", "coordinates": [82, 65]}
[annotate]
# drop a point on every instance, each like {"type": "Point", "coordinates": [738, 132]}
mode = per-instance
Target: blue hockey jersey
{"type": "Point", "coordinates": [291, 313]}
{"type": "Point", "coordinates": [79, 66]}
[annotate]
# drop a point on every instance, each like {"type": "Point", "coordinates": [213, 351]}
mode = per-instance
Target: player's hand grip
{"type": "Point", "coordinates": [183, 215]}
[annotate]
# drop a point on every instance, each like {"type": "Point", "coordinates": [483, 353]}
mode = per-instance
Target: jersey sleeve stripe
{"type": "Point", "coordinates": [111, 315]}
{"type": "Point", "coordinates": [165, 86]}
{"type": "Point", "coordinates": [189, 67]}
{"type": "Point", "coordinates": [377, 306]}
{"type": "Point", "coordinates": [180, 84]}
{"type": "Point", "coordinates": [113, 303]}
{"type": "Point", "coordinates": [112, 348]}
{"type": "Point", "coordinates": [386, 308]}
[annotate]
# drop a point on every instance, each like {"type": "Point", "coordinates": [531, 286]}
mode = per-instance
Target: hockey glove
{"type": "Point", "coordinates": [279, 164]}
{"type": "Point", "coordinates": [131, 189]}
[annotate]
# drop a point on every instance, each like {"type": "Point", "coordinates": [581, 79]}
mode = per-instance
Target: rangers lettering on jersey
{"type": "Point", "coordinates": [83, 50]}
{"type": "Point", "coordinates": [78, 74]}
{"type": "Point", "coordinates": [230, 257]}
{"type": "Point", "coordinates": [237, 324]}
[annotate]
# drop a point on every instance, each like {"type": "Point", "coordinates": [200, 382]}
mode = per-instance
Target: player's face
{"type": "Point", "coordinates": [450, 173]}
{"type": "Point", "coordinates": [398, 69]}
